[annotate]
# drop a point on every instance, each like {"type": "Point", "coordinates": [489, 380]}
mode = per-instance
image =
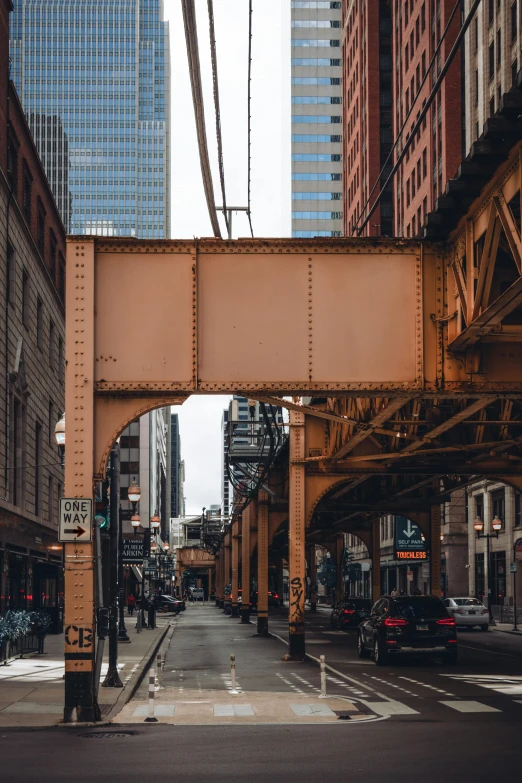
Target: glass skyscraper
{"type": "Point", "coordinates": [98, 71]}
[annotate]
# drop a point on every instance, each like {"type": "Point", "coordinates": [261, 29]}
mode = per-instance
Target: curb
{"type": "Point", "coordinates": [137, 678]}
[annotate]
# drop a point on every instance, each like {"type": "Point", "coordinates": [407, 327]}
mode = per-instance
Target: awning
{"type": "Point", "coordinates": [137, 573]}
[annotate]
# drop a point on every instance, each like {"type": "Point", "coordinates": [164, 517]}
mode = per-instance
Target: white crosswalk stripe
{"type": "Point", "coordinates": [508, 685]}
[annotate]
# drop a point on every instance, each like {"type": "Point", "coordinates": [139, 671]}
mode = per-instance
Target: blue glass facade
{"type": "Point", "coordinates": [102, 68]}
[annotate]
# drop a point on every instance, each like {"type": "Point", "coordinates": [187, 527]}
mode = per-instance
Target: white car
{"type": "Point", "coordinates": [468, 611]}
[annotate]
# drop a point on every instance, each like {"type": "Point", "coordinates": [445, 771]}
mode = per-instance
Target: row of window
{"type": "Point", "coordinates": [317, 4]}
{"type": "Point", "coordinates": [314, 100]}
{"type": "Point", "coordinates": [325, 81]}
{"type": "Point", "coordinates": [319, 62]}
{"type": "Point", "coordinates": [321, 196]}
{"type": "Point", "coordinates": [316, 176]}
{"type": "Point", "coordinates": [311, 234]}
{"type": "Point", "coordinates": [317, 215]}
{"type": "Point", "coordinates": [315, 157]}
{"type": "Point", "coordinates": [312, 119]}
{"type": "Point", "coordinates": [316, 23]}
{"type": "Point", "coordinates": [313, 138]}
{"type": "Point", "coordinates": [316, 42]}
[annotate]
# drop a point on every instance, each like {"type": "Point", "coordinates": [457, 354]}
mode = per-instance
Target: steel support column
{"type": "Point", "coordinates": [235, 559]}
{"type": "Point", "coordinates": [376, 559]}
{"type": "Point", "coordinates": [296, 537]}
{"type": "Point", "coordinates": [312, 566]}
{"type": "Point", "coordinates": [435, 553]}
{"type": "Point", "coordinates": [339, 553]}
{"type": "Point", "coordinates": [262, 563]}
{"type": "Point", "coordinates": [218, 576]}
{"type": "Point", "coordinates": [227, 547]}
{"type": "Point", "coordinates": [247, 518]}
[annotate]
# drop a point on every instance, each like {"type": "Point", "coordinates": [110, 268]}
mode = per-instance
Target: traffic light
{"type": "Point", "coordinates": [103, 514]}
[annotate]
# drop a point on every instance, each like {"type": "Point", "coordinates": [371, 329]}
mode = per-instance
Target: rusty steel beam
{"type": "Point", "coordinates": [365, 429]}
{"type": "Point", "coordinates": [307, 409]}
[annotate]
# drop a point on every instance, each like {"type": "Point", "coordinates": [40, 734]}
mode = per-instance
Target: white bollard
{"type": "Point", "coordinates": [152, 686]}
{"type": "Point", "coordinates": [233, 674]}
{"type": "Point", "coordinates": [323, 678]}
{"type": "Point", "coordinates": [158, 671]}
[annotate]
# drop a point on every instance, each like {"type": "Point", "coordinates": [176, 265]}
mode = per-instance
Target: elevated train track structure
{"type": "Point", "coordinates": [410, 350]}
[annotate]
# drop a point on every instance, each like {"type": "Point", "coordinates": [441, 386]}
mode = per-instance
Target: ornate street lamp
{"type": "Point", "coordinates": [496, 524]}
{"type": "Point", "coordinates": [155, 521]}
{"type": "Point", "coordinates": [59, 437]}
{"type": "Point", "coordinates": [134, 492]}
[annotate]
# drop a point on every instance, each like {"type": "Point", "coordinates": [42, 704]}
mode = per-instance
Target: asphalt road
{"type": "Point", "coordinates": [428, 739]}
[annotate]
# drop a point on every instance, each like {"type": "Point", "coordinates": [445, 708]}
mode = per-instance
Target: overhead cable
{"type": "Point", "coordinates": [191, 37]}
{"type": "Point", "coordinates": [424, 110]}
{"type": "Point", "coordinates": [410, 112]}
{"type": "Point", "coordinates": [249, 101]}
{"type": "Point", "coordinates": [213, 57]}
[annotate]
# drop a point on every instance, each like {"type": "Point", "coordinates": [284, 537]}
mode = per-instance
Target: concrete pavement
{"type": "Point", "coordinates": [32, 688]}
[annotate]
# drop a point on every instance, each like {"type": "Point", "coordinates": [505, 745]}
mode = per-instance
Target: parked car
{"type": "Point", "coordinates": [408, 624]}
{"type": "Point", "coordinates": [168, 603]}
{"type": "Point", "coordinates": [274, 599]}
{"type": "Point", "coordinates": [349, 612]}
{"type": "Point", "coordinates": [468, 611]}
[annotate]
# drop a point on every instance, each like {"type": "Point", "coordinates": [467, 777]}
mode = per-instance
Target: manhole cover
{"type": "Point", "coordinates": [106, 735]}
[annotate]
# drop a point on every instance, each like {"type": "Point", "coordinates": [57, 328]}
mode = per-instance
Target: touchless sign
{"type": "Point", "coordinates": [408, 540]}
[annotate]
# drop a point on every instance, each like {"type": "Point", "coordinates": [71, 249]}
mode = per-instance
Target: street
{"type": "Point", "coordinates": [409, 727]}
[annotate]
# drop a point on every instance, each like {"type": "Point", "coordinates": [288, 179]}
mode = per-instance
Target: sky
{"type": "Point", "coordinates": [200, 417]}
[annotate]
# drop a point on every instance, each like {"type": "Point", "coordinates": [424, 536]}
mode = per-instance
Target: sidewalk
{"type": "Point", "coordinates": [507, 628]}
{"type": "Point", "coordinates": [32, 688]}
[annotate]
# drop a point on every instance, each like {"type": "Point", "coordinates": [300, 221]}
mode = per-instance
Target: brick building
{"type": "Point", "coordinates": [436, 151]}
{"type": "Point", "coordinates": [32, 281]}
{"type": "Point", "coordinates": [367, 111]}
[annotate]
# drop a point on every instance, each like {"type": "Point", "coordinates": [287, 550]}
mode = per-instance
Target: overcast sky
{"type": "Point", "coordinates": [200, 417]}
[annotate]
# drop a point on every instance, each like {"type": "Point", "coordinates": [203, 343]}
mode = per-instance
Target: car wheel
{"type": "Point", "coordinates": [379, 655]}
{"type": "Point", "coordinates": [484, 627]}
{"type": "Point", "coordinates": [450, 658]}
{"type": "Point", "coordinates": [362, 652]}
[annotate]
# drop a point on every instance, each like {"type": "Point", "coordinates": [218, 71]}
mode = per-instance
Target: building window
{"type": "Point", "coordinates": [498, 577]}
{"type": "Point", "coordinates": [52, 256]}
{"type": "Point", "coordinates": [61, 276]}
{"type": "Point", "coordinates": [40, 232]}
{"type": "Point", "coordinates": [499, 47]}
{"type": "Point", "coordinates": [423, 17]}
{"type": "Point", "coordinates": [60, 358]}
{"type": "Point", "coordinates": [50, 498]}
{"type": "Point", "coordinates": [37, 469]}
{"type": "Point", "coordinates": [39, 323]}
{"type": "Point", "coordinates": [17, 452]}
{"type": "Point", "coordinates": [514, 27]}
{"type": "Point", "coordinates": [50, 423]}
{"type": "Point", "coordinates": [491, 11]}
{"type": "Point", "coordinates": [479, 506]}
{"type": "Point", "coordinates": [491, 60]}
{"type": "Point", "coordinates": [12, 160]}
{"type": "Point", "coordinates": [25, 299]}
{"type": "Point", "coordinates": [52, 346]}
{"type": "Point", "coordinates": [27, 194]}
{"type": "Point", "coordinates": [499, 505]}
{"type": "Point", "coordinates": [11, 275]}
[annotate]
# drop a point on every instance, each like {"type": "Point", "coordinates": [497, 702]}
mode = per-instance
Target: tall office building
{"type": "Point", "coordinates": [493, 47]}
{"type": "Point", "coordinates": [316, 119]}
{"type": "Point", "coordinates": [177, 470]}
{"type": "Point", "coordinates": [367, 112]}
{"type": "Point", "coordinates": [98, 71]}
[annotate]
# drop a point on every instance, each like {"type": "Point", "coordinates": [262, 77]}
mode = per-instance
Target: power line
{"type": "Point", "coordinates": [424, 110]}
{"type": "Point", "coordinates": [249, 100]}
{"type": "Point", "coordinates": [191, 37]}
{"type": "Point", "coordinates": [213, 57]}
{"type": "Point", "coordinates": [410, 112]}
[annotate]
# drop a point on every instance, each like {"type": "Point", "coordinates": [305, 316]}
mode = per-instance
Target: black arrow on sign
{"type": "Point", "coordinates": [78, 530]}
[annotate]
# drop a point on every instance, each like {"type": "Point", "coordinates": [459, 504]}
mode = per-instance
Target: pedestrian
{"type": "Point", "coordinates": [416, 591]}
{"type": "Point", "coordinates": [131, 604]}
{"type": "Point", "coordinates": [393, 592]}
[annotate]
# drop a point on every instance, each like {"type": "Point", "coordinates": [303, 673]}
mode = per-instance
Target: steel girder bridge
{"type": "Point", "coordinates": [410, 350]}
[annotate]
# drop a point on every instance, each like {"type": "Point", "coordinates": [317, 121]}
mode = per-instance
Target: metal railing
{"type": "Point", "coordinates": [506, 614]}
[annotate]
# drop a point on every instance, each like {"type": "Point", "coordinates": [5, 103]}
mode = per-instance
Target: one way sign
{"type": "Point", "coordinates": [75, 519]}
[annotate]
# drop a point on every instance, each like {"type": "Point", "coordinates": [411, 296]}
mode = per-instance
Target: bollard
{"type": "Point", "coordinates": [323, 678]}
{"type": "Point", "coordinates": [158, 671]}
{"type": "Point", "coordinates": [233, 674]}
{"type": "Point", "coordinates": [152, 684]}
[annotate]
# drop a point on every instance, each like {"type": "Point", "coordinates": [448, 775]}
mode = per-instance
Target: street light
{"type": "Point", "coordinates": [155, 521]}
{"type": "Point", "coordinates": [166, 546]}
{"type": "Point", "coordinates": [134, 493]}
{"type": "Point", "coordinates": [135, 522]}
{"type": "Point", "coordinates": [59, 436]}
{"type": "Point", "coordinates": [496, 524]}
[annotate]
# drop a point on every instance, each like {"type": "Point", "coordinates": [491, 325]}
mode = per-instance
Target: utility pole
{"type": "Point", "coordinates": [112, 679]}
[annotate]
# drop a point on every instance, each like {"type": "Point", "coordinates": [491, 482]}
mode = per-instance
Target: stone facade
{"type": "Point", "coordinates": [32, 340]}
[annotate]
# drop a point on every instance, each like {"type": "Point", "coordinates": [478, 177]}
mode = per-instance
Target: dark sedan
{"type": "Point", "coordinates": [349, 612]}
{"type": "Point", "coordinates": [167, 603]}
{"type": "Point", "coordinates": [409, 624]}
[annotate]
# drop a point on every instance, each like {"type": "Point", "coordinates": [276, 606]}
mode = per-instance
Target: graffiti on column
{"type": "Point", "coordinates": [296, 599]}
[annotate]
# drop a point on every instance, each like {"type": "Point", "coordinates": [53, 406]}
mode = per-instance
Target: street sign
{"type": "Point", "coordinates": [132, 550]}
{"type": "Point", "coordinates": [518, 549]}
{"type": "Point", "coordinates": [75, 520]}
{"type": "Point", "coordinates": [408, 536]}
{"type": "Point", "coordinates": [512, 568]}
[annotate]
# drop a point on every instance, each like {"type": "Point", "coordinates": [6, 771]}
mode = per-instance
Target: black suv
{"type": "Point", "coordinates": [417, 624]}
{"type": "Point", "coordinates": [349, 612]}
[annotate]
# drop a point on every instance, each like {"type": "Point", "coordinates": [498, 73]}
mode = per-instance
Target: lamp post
{"type": "Point", "coordinates": [496, 524]}
{"type": "Point", "coordinates": [59, 437]}
{"type": "Point", "coordinates": [112, 678]}
{"type": "Point", "coordinates": [133, 495]}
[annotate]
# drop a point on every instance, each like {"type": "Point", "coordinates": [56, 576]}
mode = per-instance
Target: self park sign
{"type": "Point", "coordinates": [408, 540]}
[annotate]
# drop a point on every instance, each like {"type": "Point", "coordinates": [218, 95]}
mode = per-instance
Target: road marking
{"type": "Point", "coordinates": [488, 650]}
{"type": "Point", "coordinates": [509, 686]}
{"type": "Point", "coordinates": [469, 706]}
{"type": "Point", "coordinates": [424, 685]}
{"type": "Point", "coordinates": [390, 707]}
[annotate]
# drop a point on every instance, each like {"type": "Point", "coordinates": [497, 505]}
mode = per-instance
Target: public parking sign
{"type": "Point", "coordinates": [75, 520]}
